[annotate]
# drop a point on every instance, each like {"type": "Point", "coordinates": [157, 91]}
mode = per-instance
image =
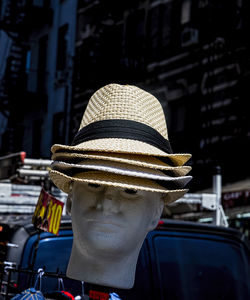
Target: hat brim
{"type": "Point", "coordinates": [122, 169]}
{"type": "Point", "coordinates": [124, 146]}
{"type": "Point", "coordinates": [62, 181]}
{"type": "Point", "coordinates": [132, 159]}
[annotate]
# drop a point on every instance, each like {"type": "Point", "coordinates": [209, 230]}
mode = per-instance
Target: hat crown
{"type": "Point", "coordinates": [125, 102]}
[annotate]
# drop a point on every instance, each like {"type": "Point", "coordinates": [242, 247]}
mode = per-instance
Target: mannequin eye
{"type": "Point", "coordinates": [130, 191]}
{"type": "Point", "coordinates": [95, 187]}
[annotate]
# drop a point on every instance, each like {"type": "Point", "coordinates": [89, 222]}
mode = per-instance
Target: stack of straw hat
{"type": "Point", "coordinates": [122, 142]}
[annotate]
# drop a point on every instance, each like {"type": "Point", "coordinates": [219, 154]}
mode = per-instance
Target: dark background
{"type": "Point", "coordinates": [193, 55]}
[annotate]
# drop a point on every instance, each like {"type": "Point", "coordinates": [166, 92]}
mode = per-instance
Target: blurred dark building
{"type": "Point", "coordinates": [192, 54]}
{"type": "Point", "coordinates": [37, 42]}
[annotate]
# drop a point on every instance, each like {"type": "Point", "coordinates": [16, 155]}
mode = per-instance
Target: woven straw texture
{"type": "Point", "coordinates": [127, 102]}
{"type": "Point", "coordinates": [63, 181]}
{"type": "Point", "coordinates": [122, 102]}
{"type": "Point", "coordinates": [136, 160]}
{"type": "Point", "coordinates": [122, 169]}
{"type": "Point", "coordinates": [124, 146]}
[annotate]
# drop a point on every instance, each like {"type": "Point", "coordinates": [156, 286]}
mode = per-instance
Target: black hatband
{"type": "Point", "coordinates": [126, 129]}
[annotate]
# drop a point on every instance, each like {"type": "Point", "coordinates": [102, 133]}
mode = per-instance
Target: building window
{"type": "Point", "coordinates": [186, 12]}
{"type": "Point", "coordinates": [42, 64]}
{"type": "Point", "coordinates": [62, 47]}
{"type": "Point", "coordinates": [28, 61]}
{"type": "Point", "coordinates": [58, 128]}
{"type": "Point", "coordinates": [37, 136]}
{"type": "Point", "coordinates": [135, 33]}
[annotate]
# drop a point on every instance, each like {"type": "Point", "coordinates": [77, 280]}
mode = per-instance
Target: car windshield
{"type": "Point", "coordinates": [203, 268]}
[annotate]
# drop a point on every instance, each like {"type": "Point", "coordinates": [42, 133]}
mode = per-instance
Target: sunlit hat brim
{"type": "Point", "coordinates": [133, 159]}
{"type": "Point", "coordinates": [62, 181]}
{"type": "Point", "coordinates": [172, 182]}
{"type": "Point", "coordinates": [123, 146]}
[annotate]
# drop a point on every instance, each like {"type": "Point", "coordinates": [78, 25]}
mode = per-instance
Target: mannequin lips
{"type": "Point", "coordinates": [105, 223]}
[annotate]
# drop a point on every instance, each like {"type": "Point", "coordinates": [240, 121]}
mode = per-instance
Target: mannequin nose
{"type": "Point", "coordinates": [108, 201]}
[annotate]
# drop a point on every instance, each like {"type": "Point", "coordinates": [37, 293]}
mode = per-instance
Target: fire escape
{"type": "Point", "coordinates": [17, 19]}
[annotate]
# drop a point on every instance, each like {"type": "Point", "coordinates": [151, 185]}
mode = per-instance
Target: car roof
{"type": "Point", "coordinates": [187, 226]}
{"type": "Point", "coordinates": [163, 225]}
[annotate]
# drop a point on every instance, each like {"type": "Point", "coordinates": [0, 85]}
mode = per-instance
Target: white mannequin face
{"type": "Point", "coordinates": [109, 220]}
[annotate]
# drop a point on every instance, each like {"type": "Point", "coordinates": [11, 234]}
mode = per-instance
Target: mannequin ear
{"type": "Point", "coordinates": [68, 205]}
{"type": "Point", "coordinates": [156, 214]}
{"type": "Point", "coordinates": [69, 200]}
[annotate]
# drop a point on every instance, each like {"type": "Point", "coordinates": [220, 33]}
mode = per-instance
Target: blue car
{"type": "Point", "coordinates": [178, 261]}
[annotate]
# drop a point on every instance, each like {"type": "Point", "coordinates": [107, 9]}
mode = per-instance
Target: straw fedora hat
{"type": "Point", "coordinates": [167, 178]}
{"type": "Point", "coordinates": [122, 141]}
{"type": "Point", "coordinates": [132, 159]}
{"type": "Point", "coordinates": [124, 119]}
{"type": "Point", "coordinates": [63, 181]}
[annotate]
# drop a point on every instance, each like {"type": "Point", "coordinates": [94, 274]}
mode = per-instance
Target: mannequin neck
{"type": "Point", "coordinates": [113, 271]}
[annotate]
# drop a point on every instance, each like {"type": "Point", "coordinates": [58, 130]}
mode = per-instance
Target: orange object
{"type": "Point", "coordinates": [23, 156]}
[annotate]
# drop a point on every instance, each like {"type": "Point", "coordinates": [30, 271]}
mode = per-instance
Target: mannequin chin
{"type": "Point", "coordinates": [109, 226]}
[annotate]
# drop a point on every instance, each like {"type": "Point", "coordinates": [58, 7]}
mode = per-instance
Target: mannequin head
{"type": "Point", "coordinates": [122, 143]}
{"type": "Point", "coordinates": [110, 225]}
